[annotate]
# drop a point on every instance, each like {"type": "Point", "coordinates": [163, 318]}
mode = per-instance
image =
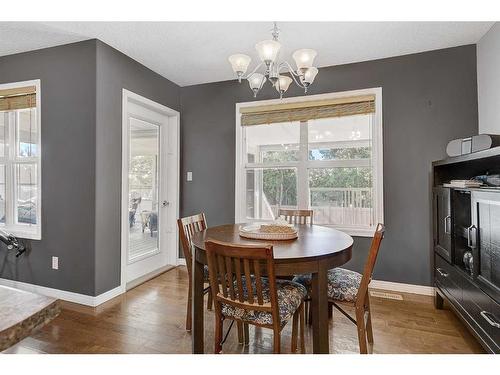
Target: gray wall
{"type": "Point", "coordinates": [488, 80]}
{"type": "Point", "coordinates": [81, 87]}
{"type": "Point", "coordinates": [67, 75]}
{"type": "Point", "coordinates": [116, 71]}
{"type": "Point", "coordinates": [428, 99]}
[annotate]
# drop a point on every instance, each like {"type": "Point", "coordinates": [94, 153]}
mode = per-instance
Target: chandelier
{"type": "Point", "coordinates": [268, 51]}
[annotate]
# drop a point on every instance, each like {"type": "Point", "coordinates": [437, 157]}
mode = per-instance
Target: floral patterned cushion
{"type": "Point", "coordinates": [303, 279]}
{"type": "Point", "coordinates": [290, 296]}
{"type": "Point", "coordinates": [343, 284]}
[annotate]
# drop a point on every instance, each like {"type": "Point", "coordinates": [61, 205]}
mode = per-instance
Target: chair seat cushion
{"type": "Point", "coordinates": [304, 279]}
{"type": "Point", "coordinates": [290, 296]}
{"type": "Point", "coordinates": [343, 284]}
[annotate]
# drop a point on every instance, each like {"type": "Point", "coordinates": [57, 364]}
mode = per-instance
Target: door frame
{"type": "Point", "coordinates": [173, 165]}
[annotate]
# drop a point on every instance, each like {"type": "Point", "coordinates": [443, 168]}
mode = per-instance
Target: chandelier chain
{"type": "Point", "coordinates": [275, 31]}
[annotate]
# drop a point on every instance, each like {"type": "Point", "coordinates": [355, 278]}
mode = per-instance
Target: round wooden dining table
{"type": "Point", "coordinates": [316, 250]}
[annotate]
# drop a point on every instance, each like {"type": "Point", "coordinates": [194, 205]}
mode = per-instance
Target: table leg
{"type": "Point", "coordinates": [319, 306]}
{"type": "Point", "coordinates": [197, 331]}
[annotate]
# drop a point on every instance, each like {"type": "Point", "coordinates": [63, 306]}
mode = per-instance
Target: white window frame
{"type": "Point", "coordinates": [27, 231]}
{"type": "Point", "coordinates": [302, 201]}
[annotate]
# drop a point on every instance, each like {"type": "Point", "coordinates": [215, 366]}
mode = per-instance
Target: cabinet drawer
{"type": "Point", "coordinates": [447, 278]}
{"type": "Point", "coordinates": [484, 310]}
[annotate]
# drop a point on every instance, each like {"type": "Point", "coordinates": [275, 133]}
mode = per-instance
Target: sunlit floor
{"type": "Point", "coordinates": [151, 318]}
{"type": "Point", "coordinates": [141, 242]}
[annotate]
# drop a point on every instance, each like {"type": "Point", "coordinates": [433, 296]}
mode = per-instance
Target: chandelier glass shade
{"type": "Point", "coordinates": [304, 58]}
{"type": "Point", "coordinates": [308, 77]}
{"type": "Point", "coordinates": [256, 81]}
{"type": "Point", "coordinates": [283, 84]}
{"type": "Point", "coordinates": [239, 63]}
{"type": "Point", "coordinates": [268, 51]}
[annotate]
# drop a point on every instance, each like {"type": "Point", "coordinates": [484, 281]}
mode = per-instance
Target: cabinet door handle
{"type": "Point", "coordinates": [442, 272]}
{"type": "Point", "coordinates": [490, 319]}
{"type": "Point", "coordinates": [470, 243]}
{"type": "Point", "coordinates": [447, 218]}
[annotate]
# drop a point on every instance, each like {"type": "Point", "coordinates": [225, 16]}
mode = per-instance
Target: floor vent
{"type": "Point", "coordinates": [386, 295]}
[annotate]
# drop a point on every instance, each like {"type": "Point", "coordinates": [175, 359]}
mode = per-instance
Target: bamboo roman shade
{"type": "Point", "coordinates": [18, 98]}
{"type": "Point", "coordinates": [308, 110]}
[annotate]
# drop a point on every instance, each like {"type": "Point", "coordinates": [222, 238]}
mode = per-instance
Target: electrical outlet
{"type": "Point", "coordinates": [189, 176]}
{"type": "Point", "coordinates": [55, 263]}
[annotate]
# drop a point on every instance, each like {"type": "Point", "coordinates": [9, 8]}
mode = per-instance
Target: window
{"type": "Point", "coordinates": [20, 188]}
{"type": "Point", "coordinates": [290, 155]}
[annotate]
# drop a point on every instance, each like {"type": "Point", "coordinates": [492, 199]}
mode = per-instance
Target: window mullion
{"type": "Point", "coordinates": [9, 170]}
{"type": "Point", "coordinates": [348, 163]}
{"type": "Point", "coordinates": [10, 188]}
{"type": "Point", "coordinates": [243, 178]}
{"type": "Point", "coordinates": [282, 165]}
{"type": "Point", "coordinates": [302, 178]}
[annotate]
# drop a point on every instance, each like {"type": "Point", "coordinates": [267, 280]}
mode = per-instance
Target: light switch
{"type": "Point", "coordinates": [55, 263]}
{"type": "Point", "coordinates": [189, 176]}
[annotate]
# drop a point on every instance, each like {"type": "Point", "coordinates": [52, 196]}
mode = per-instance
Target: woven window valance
{"type": "Point", "coordinates": [18, 98]}
{"type": "Point", "coordinates": [308, 110]}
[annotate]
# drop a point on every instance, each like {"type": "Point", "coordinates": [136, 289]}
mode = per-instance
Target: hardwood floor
{"type": "Point", "coordinates": [150, 319]}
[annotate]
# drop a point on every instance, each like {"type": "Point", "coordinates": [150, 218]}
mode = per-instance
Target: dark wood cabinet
{"type": "Point", "coordinates": [442, 222]}
{"type": "Point", "coordinates": [466, 241]}
{"type": "Point", "coordinates": [447, 278]}
{"type": "Point", "coordinates": [485, 240]}
{"type": "Point", "coordinates": [477, 310]}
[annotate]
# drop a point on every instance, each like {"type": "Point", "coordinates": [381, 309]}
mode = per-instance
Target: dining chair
{"type": "Point", "coordinates": [300, 217]}
{"type": "Point", "coordinates": [242, 294]}
{"type": "Point", "coordinates": [350, 288]}
{"type": "Point", "coordinates": [296, 216]}
{"type": "Point", "coordinates": [187, 227]}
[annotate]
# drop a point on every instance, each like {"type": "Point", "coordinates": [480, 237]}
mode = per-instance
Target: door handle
{"type": "Point", "coordinates": [165, 203]}
{"type": "Point", "coordinates": [491, 321]}
{"type": "Point", "coordinates": [470, 242]}
{"type": "Point", "coordinates": [442, 272]}
{"type": "Point", "coordinates": [446, 219]}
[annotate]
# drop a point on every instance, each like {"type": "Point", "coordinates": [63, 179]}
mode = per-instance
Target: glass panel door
{"type": "Point", "coordinates": [143, 188]}
{"type": "Point", "coordinates": [485, 240]}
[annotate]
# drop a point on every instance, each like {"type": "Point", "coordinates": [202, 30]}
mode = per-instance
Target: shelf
{"type": "Point", "coordinates": [491, 189]}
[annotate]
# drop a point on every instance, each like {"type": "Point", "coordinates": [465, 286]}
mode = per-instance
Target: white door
{"type": "Point", "coordinates": [148, 210]}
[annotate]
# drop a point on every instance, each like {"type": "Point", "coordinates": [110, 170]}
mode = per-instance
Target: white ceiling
{"type": "Point", "coordinates": [190, 53]}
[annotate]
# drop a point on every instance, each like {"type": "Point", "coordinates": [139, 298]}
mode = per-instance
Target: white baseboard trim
{"type": "Point", "coordinates": [64, 295]}
{"type": "Point", "coordinates": [380, 284]}
{"type": "Point", "coordinates": [92, 301]}
{"type": "Point", "coordinates": [403, 288]}
{"type": "Point", "coordinates": [181, 261]}
{"type": "Point", "coordinates": [106, 296]}
{"type": "Point", "coordinates": [141, 280]}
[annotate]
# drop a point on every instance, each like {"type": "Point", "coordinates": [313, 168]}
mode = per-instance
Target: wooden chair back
{"type": "Point", "coordinates": [232, 268]}
{"type": "Point", "coordinates": [296, 216]}
{"type": "Point", "coordinates": [370, 264]}
{"type": "Point", "coordinates": [187, 227]}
